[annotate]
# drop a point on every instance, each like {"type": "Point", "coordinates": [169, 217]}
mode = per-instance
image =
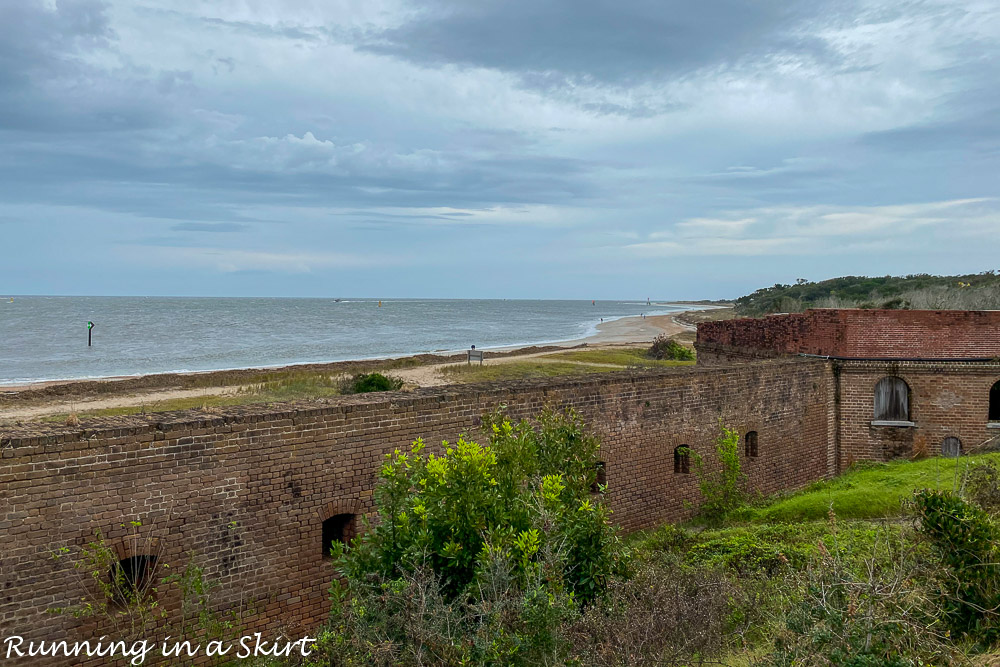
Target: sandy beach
{"type": "Point", "coordinates": [636, 330]}
{"type": "Point", "coordinates": [32, 401]}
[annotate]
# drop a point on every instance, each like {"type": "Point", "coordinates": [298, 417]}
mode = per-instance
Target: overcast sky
{"type": "Point", "coordinates": [479, 148]}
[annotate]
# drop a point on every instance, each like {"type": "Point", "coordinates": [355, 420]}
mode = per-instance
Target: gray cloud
{"type": "Point", "coordinates": [38, 41]}
{"type": "Point", "coordinates": [555, 42]}
{"type": "Point", "coordinates": [50, 82]}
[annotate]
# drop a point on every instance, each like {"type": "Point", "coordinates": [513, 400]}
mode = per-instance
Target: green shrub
{"type": "Point", "coordinates": [480, 555]}
{"type": "Point", "coordinates": [363, 383]}
{"type": "Point", "coordinates": [665, 348]}
{"type": "Point", "coordinates": [667, 539]}
{"type": "Point", "coordinates": [528, 485]}
{"type": "Point", "coordinates": [966, 541]}
{"type": "Point", "coordinates": [750, 552]}
{"type": "Point", "coordinates": [722, 483]}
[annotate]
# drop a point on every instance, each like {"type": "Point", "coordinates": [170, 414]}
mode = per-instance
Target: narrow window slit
{"type": "Point", "coordinates": [682, 460]}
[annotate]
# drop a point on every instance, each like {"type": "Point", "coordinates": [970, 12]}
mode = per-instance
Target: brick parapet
{"type": "Point", "coordinates": [855, 333]}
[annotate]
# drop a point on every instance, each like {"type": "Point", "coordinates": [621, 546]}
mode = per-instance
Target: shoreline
{"type": "Point", "coordinates": [622, 330]}
{"type": "Point", "coordinates": [33, 401]}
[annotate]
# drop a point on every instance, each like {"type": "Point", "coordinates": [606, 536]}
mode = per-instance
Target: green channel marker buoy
{"type": "Point", "coordinates": [90, 332]}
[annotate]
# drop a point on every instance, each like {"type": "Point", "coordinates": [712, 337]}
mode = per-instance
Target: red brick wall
{"type": "Point", "coordinates": [946, 399]}
{"type": "Point", "coordinates": [869, 334]}
{"type": "Point", "coordinates": [246, 490]}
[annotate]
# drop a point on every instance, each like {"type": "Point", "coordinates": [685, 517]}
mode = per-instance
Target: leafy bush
{"type": "Point", "coordinates": [479, 555]}
{"type": "Point", "coordinates": [363, 383]}
{"type": "Point", "coordinates": [966, 541]}
{"type": "Point", "coordinates": [667, 539]}
{"type": "Point", "coordinates": [665, 348]}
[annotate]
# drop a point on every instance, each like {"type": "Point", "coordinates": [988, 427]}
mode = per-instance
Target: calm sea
{"type": "Point", "coordinates": [45, 337]}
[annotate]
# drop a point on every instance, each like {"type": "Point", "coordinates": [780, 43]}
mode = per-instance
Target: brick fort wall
{"type": "Point", "coordinates": [244, 492]}
{"type": "Point", "coordinates": [947, 399]}
{"type": "Point", "coordinates": [948, 360]}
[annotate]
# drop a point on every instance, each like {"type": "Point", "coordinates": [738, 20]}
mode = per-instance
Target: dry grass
{"type": "Point", "coordinates": [286, 386]}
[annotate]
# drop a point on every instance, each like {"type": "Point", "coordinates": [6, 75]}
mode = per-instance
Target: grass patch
{"type": "Point", "coordinates": [786, 531]}
{"type": "Point", "coordinates": [772, 547]}
{"type": "Point", "coordinates": [621, 357]}
{"type": "Point", "coordinates": [574, 362]}
{"type": "Point", "coordinates": [517, 370]}
{"type": "Point", "coordinates": [871, 491]}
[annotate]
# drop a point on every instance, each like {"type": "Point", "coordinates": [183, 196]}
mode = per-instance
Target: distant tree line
{"type": "Point", "coordinates": [979, 291]}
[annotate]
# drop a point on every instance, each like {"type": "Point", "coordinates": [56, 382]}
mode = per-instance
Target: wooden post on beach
{"type": "Point", "coordinates": [90, 333]}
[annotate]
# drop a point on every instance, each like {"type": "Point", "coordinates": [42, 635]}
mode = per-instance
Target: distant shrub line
{"type": "Point", "coordinates": [919, 291]}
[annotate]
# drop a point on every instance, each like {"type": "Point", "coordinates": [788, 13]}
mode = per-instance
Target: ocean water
{"type": "Point", "coordinates": [45, 337]}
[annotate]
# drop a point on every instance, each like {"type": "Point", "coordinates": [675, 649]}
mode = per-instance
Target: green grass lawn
{"type": "Point", "coordinates": [867, 502]}
{"type": "Point", "coordinates": [621, 357]}
{"type": "Point", "coordinates": [867, 492]}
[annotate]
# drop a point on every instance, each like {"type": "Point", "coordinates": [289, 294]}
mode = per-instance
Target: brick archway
{"type": "Point", "coordinates": [340, 506]}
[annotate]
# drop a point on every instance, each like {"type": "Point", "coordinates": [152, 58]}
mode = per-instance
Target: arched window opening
{"type": "Point", "coordinates": [338, 528]}
{"type": "Point", "coordinates": [951, 447]}
{"type": "Point", "coordinates": [750, 445]}
{"type": "Point", "coordinates": [131, 578]}
{"type": "Point", "coordinates": [600, 477]}
{"type": "Point", "coordinates": [995, 402]}
{"type": "Point", "coordinates": [682, 459]}
{"type": "Point", "coordinates": [892, 400]}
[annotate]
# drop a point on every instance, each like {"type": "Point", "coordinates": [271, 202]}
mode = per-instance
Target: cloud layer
{"type": "Point", "coordinates": [562, 148]}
